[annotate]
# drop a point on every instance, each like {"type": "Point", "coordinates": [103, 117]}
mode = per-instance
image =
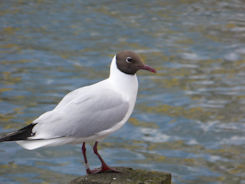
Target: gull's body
{"type": "Point", "coordinates": [82, 115]}
{"type": "Point", "coordinates": [89, 113]}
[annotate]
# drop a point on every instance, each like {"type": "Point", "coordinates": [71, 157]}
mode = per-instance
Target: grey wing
{"type": "Point", "coordinates": [72, 95]}
{"type": "Point", "coordinates": [86, 115]}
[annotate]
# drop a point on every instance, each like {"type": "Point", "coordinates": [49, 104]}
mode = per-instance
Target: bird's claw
{"type": "Point", "coordinates": [102, 170]}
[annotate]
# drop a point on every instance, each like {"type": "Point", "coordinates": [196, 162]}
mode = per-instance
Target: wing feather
{"type": "Point", "coordinates": [82, 114]}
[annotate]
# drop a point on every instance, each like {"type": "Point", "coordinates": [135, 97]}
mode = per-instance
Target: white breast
{"type": "Point", "coordinates": [127, 86]}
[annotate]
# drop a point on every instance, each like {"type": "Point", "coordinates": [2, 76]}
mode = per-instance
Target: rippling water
{"type": "Point", "coordinates": [189, 118]}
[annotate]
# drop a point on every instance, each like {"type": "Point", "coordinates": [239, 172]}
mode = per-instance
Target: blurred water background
{"type": "Point", "coordinates": [189, 118]}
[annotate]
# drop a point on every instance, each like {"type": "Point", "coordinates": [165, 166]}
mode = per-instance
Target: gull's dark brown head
{"type": "Point", "coordinates": [129, 63]}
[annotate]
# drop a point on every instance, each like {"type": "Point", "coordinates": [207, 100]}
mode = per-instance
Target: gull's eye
{"type": "Point", "coordinates": [129, 60]}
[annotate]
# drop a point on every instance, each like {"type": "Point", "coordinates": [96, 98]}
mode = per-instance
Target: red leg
{"type": "Point", "coordinates": [104, 166]}
{"type": "Point", "coordinates": [85, 159]}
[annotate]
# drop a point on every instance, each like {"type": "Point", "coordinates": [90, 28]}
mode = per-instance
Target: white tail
{"type": "Point", "coordinates": [34, 144]}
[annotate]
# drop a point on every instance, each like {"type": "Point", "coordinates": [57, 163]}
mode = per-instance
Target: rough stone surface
{"type": "Point", "coordinates": [125, 176]}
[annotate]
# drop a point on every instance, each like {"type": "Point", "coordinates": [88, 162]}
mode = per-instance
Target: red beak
{"type": "Point", "coordinates": [146, 67]}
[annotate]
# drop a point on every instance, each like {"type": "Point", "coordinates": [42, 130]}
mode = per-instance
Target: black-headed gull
{"type": "Point", "coordinates": [89, 113]}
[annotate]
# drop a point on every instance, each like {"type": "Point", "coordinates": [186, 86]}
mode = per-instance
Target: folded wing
{"type": "Point", "coordinates": [86, 114]}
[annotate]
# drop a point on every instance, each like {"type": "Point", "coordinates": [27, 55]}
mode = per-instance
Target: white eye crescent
{"type": "Point", "coordinates": [129, 60]}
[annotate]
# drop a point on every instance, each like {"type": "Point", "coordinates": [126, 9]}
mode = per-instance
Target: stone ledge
{"type": "Point", "coordinates": [125, 176]}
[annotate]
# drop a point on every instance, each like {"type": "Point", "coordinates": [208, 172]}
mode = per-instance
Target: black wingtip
{"type": "Point", "coordinates": [21, 134]}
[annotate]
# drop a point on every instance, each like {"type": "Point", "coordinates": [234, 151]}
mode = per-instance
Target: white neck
{"type": "Point", "coordinates": [126, 84]}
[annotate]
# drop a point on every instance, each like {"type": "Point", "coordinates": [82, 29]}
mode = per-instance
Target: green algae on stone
{"type": "Point", "coordinates": [125, 176]}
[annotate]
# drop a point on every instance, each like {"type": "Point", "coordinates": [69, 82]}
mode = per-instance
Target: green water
{"type": "Point", "coordinates": [189, 118]}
